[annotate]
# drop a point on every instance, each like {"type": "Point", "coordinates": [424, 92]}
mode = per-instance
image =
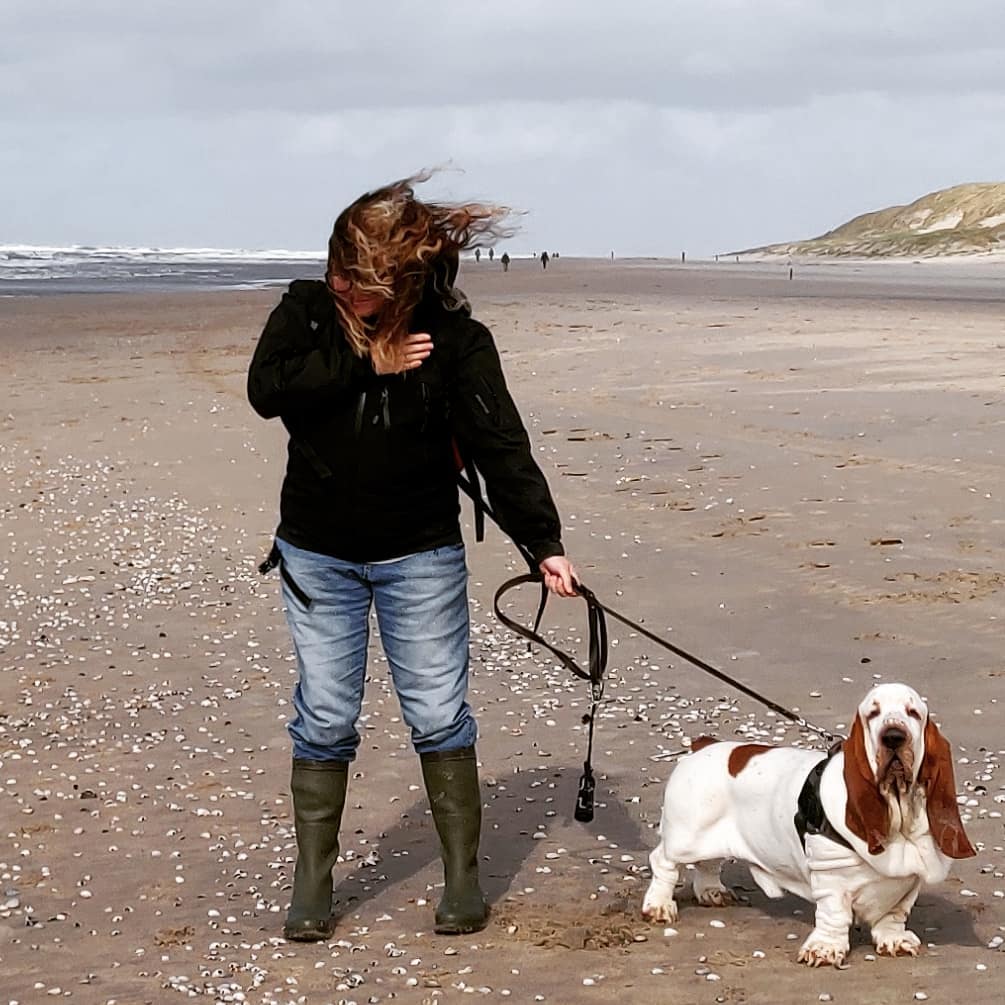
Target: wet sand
{"type": "Point", "coordinates": [801, 482]}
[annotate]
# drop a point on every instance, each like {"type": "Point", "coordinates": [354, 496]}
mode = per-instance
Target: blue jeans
{"type": "Point", "coordinates": [422, 612]}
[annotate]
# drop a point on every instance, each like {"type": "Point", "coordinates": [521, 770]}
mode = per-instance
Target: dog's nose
{"type": "Point", "coordinates": [893, 737]}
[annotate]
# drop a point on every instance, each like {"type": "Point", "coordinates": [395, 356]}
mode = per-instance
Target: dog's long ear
{"type": "Point", "coordinates": [867, 816]}
{"type": "Point", "coordinates": [936, 775]}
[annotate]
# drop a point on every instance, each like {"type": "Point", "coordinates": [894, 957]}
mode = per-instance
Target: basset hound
{"type": "Point", "coordinates": [857, 831]}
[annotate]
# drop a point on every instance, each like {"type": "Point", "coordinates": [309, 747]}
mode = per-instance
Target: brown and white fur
{"type": "Point", "coordinates": [889, 792]}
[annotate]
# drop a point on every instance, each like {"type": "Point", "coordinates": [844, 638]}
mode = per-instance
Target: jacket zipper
{"type": "Point", "coordinates": [385, 408]}
{"type": "Point", "coordinates": [384, 411]}
{"type": "Point", "coordinates": [359, 412]}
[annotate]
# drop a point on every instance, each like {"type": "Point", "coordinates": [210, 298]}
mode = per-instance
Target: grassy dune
{"type": "Point", "coordinates": [962, 220]}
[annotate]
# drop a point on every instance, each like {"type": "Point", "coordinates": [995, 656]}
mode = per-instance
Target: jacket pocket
{"type": "Point", "coordinates": [485, 401]}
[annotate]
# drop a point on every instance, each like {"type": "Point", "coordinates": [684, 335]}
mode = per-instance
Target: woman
{"type": "Point", "coordinates": [382, 378]}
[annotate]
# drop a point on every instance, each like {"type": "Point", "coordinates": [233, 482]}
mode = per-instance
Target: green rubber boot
{"type": "Point", "coordinates": [451, 779]}
{"type": "Point", "coordinates": [318, 789]}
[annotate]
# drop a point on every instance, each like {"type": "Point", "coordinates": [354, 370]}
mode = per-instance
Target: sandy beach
{"type": "Point", "coordinates": [800, 481]}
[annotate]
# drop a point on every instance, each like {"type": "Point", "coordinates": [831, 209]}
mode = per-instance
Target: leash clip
{"type": "Point", "coordinates": [584, 798]}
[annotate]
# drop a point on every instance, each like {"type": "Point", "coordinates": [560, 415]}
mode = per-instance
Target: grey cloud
{"type": "Point", "coordinates": [648, 127]}
{"type": "Point", "coordinates": [118, 58]}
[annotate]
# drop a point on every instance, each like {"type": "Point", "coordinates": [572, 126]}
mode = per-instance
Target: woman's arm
{"type": "Point", "coordinates": [488, 426]}
{"type": "Point", "coordinates": [292, 370]}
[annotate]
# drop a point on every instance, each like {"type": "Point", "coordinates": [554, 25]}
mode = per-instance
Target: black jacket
{"type": "Point", "coordinates": [371, 473]}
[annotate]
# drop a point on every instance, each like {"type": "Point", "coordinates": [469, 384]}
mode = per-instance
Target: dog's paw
{"type": "Point", "coordinates": [900, 943]}
{"type": "Point", "coordinates": [665, 914]}
{"type": "Point", "coordinates": [820, 951]}
{"type": "Point", "coordinates": [659, 905]}
{"type": "Point", "coordinates": [715, 896]}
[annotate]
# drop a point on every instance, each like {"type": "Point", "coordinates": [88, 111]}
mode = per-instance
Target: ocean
{"type": "Point", "coordinates": [36, 271]}
{"type": "Point", "coordinates": [27, 270]}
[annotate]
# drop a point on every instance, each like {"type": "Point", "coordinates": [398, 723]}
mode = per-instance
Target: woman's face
{"type": "Point", "coordinates": [360, 302]}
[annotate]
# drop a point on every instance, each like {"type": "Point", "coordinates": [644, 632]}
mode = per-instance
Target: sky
{"type": "Point", "coordinates": [646, 127]}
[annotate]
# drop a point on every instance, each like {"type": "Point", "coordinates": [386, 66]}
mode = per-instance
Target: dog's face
{"type": "Point", "coordinates": [895, 750]}
{"type": "Point", "coordinates": [893, 718]}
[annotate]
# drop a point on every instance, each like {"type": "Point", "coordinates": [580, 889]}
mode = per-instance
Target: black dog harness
{"type": "Point", "coordinates": [810, 818]}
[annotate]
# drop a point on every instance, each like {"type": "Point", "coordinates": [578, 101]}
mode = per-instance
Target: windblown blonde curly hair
{"type": "Point", "coordinates": [391, 244]}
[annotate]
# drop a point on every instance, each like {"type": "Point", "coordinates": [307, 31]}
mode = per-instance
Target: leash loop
{"type": "Point", "coordinates": [596, 672]}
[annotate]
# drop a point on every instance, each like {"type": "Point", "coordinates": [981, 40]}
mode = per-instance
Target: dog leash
{"type": "Point", "coordinates": [596, 669]}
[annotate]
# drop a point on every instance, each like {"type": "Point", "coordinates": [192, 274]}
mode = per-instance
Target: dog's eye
{"type": "Point", "coordinates": [873, 713]}
{"type": "Point", "coordinates": [914, 714]}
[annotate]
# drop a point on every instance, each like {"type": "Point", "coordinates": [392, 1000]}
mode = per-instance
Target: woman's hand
{"type": "Point", "coordinates": [412, 352]}
{"type": "Point", "coordinates": [559, 575]}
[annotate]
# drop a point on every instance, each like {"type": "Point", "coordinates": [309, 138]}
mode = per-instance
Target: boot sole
{"type": "Point", "coordinates": [450, 929]}
{"type": "Point", "coordinates": [318, 933]}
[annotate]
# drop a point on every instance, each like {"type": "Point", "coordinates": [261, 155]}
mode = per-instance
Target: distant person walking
{"type": "Point", "coordinates": [544, 259]}
{"type": "Point", "coordinates": [505, 261]}
{"type": "Point", "coordinates": [478, 254]}
{"type": "Point", "coordinates": [492, 254]}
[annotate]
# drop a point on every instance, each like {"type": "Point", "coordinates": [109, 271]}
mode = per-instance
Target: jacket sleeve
{"type": "Point", "coordinates": [488, 427]}
{"type": "Point", "coordinates": [293, 371]}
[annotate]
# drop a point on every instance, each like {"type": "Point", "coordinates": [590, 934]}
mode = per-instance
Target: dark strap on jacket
{"type": "Point", "coordinates": [275, 560]}
{"type": "Point", "coordinates": [471, 485]}
{"type": "Point", "coordinates": [810, 817]}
